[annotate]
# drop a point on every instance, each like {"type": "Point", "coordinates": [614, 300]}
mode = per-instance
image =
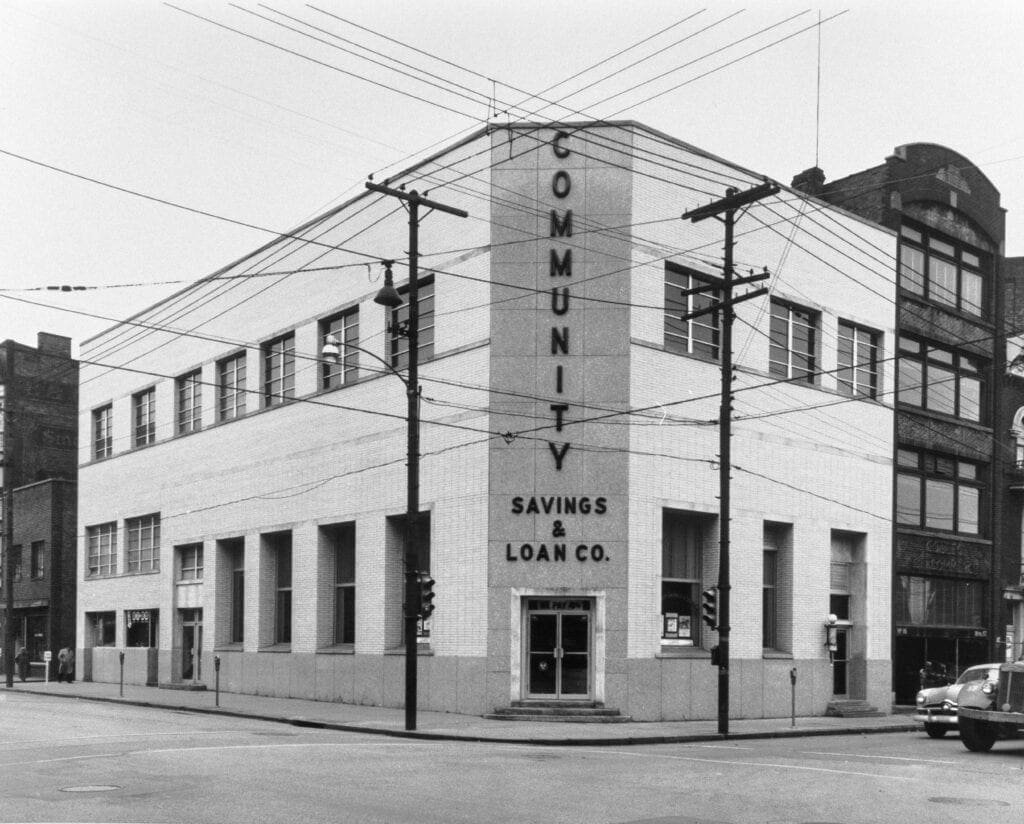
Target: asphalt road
{"type": "Point", "coordinates": [64, 760]}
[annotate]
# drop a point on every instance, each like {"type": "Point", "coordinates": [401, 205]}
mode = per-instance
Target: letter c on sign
{"type": "Point", "coordinates": [560, 150]}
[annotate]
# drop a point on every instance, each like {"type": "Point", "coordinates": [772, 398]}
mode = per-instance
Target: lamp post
{"type": "Point", "coordinates": [333, 349]}
{"type": "Point", "coordinates": [389, 297]}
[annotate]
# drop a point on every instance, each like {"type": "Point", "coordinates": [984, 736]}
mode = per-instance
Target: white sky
{"type": "Point", "coordinates": [145, 97]}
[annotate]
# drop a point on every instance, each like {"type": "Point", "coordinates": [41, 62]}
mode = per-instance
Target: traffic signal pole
{"type": "Point", "coordinates": [412, 200]}
{"type": "Point", "coordinates": [730, 204]}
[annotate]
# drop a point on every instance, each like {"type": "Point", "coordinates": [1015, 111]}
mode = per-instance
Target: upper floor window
{"type": "Point", "coordinates": [942, 270]}
{"type": "Point", "coordinates": [940, 380]}
{"type": "Point", "coordinates": [102, 547]}
{"type": "Point", "coordinates": [143, 549]}
{"type": "Point", "coordinates": [103, 432]}
{"type": "Point", "coordinates": [694, 336]}
{"type": "Point", "coordinates": [858, 360]}
{"type": "Point", "coordinates": [144, 405]}
{"type": "Point", "coordinates": [938, 492]}
{"type": "Point", "coordinates": [38, 560]}
{"type": "Point", "coordinates": [190, 402]}
{"type": "Point", "coordinates": [190, 562]}
{"type": "Point", "coordinates": [400, 319]}
{"type": "Point", "coordinates": [231, 387]}
{"type": "Point", "coordinates": [279, 370]}
{"type": "Point", "coordinates": [344, 329]}
{"type": "Point", "coordinates": [793, 342]}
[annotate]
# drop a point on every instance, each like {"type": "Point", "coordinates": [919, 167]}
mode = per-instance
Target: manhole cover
{"type": "Point", "coordinates": [90, 788]}
{"type": "Point", "coordinates": [969, 802]}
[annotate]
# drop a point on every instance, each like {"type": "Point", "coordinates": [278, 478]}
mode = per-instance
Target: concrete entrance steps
{"type": "Point", "coordinates": [852, 708]}
{"type": "Point", "coordinates": [579, 712]}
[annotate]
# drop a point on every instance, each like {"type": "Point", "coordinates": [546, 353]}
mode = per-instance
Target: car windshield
{"type": "Point", "coordinates": [978, 674]}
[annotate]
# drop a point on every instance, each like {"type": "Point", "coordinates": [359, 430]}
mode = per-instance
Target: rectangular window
{"type": "Point", "coordinates": [190, 403]}
{"type": "Point", "coordinates": [344, 330]}
{"type": "Point", "coordinates": [279, 370]}
{"type": "Point", "coordinates": [142, 627]}
{"type": "Point", "coordinates": [238, 594]}
{"type": "Point", "coordinates": [940, 380]}
{"type": "Point", "coordinates": [692, 336]}
{"type": "Point", "coordinates": [190, 563]}
{"type": "Point", "coordinates": [793, 342]}
{"type": "Point", "coordinates": [102, 541]}
{"type": "Point", "coordinates": [400, 319]}
{"type": "Point", "coordinates": [283, 587]}
{"type": "Point", "coordinates": [682, 547]}
{"type": "Point", "coordinates": [16, 559]}
{"type": "Point", "coordinates": [774, 541]}
{"type": "Point", "coordinates": [38, 560]}
{"type": "Point", "coordinates": [942, 602]}
{"type": "Point", "coordinates": [102, 628]}
{"type": "Point", "coordinates": [943, 271]}
{"type": "Point", "coordinates": [142, 552]}
{"type": "Point", "coordinates": [103, 432]}
{"type": "Point", "coordinates": [938, 492]}
{"type": "Point", "coordinates": [231, 387]}
{"type": "Point", "coordinates": [857, 360]}
{"type": "Point", "coordinates": [345, 585]}
{"type": "Point", "coordinates": [144, 406]}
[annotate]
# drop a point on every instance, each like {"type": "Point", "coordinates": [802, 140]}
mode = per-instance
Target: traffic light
{"type": "Point", "coordinates": [709, 607]}
{"type": "Point", "coordinates": [426, 585]}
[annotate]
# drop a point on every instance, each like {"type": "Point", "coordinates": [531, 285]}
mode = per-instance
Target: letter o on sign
{"type": "Point", "coordinates": [561, 184]}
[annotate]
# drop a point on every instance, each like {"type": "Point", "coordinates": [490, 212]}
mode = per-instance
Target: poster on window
{"type": "Point", "coordinates": [684, 627]}
{"type": "Point", "coordinates": [671, 625]}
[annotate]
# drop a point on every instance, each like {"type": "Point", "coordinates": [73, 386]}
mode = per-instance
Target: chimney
{"type": "Point", "coordinates": [53, 344]}
{"type": "Point", "coordinates": [811, 181]}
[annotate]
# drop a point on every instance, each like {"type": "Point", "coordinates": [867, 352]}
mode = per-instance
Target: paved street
{"type": "Point", "coordinates": [69, 760]}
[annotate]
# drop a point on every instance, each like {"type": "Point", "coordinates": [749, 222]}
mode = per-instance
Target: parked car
{"type": "Point", "coordinates": [937, 706]}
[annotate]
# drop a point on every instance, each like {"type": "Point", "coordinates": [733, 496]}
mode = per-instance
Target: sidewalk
{"type": "Point", "coordinates": [451, 727]}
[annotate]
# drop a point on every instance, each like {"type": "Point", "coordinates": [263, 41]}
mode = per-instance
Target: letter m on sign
{"type": "Point", "coordinates": [563, 227]}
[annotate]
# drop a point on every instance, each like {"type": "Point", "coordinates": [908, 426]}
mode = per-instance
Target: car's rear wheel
{"type": "Point", "coordinates": [935, 730]}
{"type": "Point", "coordinates": [977, 736]}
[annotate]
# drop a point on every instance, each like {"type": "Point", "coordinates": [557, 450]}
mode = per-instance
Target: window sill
{"type": "Point", "coordinates": [683, 652]}
{"type": "Point", "coordinates": [776, 654]}
{"type": "Point", "coordinates": [337, 649]}
{"type": "Point", "coordinates": [232, 647]}
{"type": "Point", "coordinates": [276, 648]}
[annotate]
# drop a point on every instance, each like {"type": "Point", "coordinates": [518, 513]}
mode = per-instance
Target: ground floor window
{"type": "Point", "coordinates": [682, 549]}
{"type": "Point", "coordinates": [102, 628]}
{"type": "Point", "coordinates": [926, 601]}
{"type": "Point", "coordinates": [141, 627]}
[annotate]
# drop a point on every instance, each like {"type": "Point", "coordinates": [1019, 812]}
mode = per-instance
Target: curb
{"type": "Point", "coordinates": [628, 741]}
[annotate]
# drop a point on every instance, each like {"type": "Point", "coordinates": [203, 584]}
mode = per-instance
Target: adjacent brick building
{"type": "Point", "coordinates": [950, 560]}
{"type": "Point", "coordinates": [243, 498]}
{"type": "Point", "coordinates": [40, 395]}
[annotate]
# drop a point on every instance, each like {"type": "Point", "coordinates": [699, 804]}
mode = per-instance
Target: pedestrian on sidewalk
{"type": "Point", "coordinates": [21, 659]}
{"type": "Point", "coordinates": [66, 664]}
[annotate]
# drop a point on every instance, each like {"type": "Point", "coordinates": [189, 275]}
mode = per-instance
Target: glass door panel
{"type": "Point", "coordinates": [543, 643]}
{"type": "Point", "coordinates": [575, 654]}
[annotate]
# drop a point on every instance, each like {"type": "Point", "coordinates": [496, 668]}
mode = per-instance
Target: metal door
{"type": "Point", "coordinates": [558, 655]}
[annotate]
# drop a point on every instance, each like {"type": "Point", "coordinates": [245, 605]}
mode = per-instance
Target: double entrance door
{"type": "Point", "coordinates": [558, 648]}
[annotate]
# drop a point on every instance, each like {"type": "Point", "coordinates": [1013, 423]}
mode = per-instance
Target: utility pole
{"type": "Point", "coordinates": [8, 515]}
{"type": "Point", "coordinates": [412, 201]}
{"type": "Point", "coordinates": [730, 204]}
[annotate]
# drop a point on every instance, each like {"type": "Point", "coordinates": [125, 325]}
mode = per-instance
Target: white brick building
{"type": "Point", "coordinates": [242, 498]}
